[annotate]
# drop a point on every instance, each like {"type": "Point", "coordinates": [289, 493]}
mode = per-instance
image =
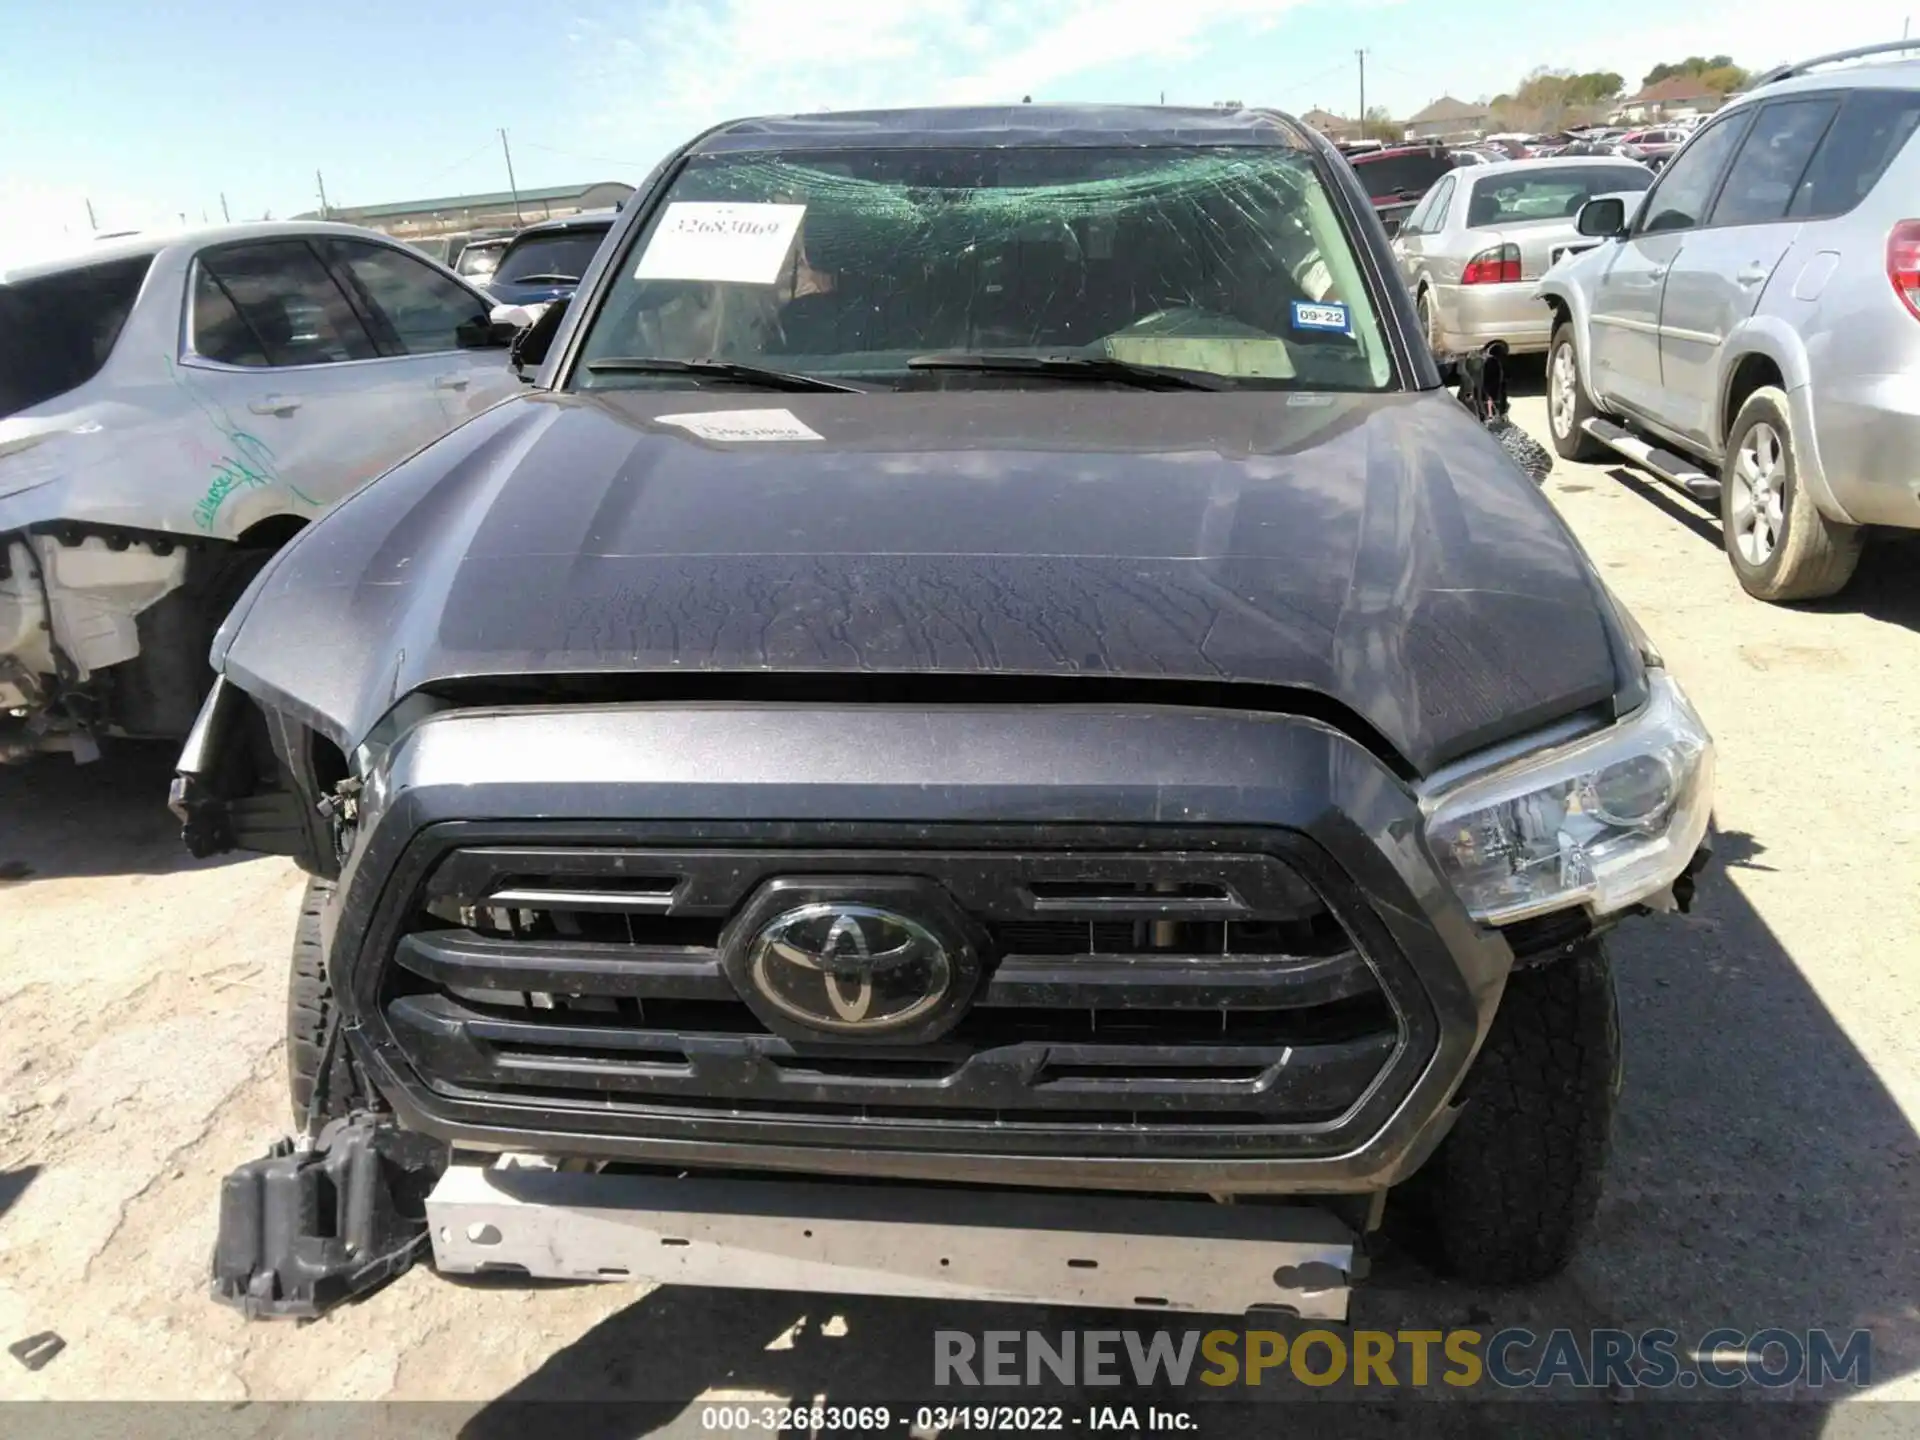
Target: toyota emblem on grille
{"type": "Point", "coordinates": [849, 968]}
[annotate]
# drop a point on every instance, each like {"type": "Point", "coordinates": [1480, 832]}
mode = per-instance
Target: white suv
{"type": "Point", "coordinates": [172, 410]}
{"type": "Point", "coordinates": [1751, 332]}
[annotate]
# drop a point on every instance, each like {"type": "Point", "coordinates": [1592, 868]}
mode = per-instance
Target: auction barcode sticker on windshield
{"type": "Point", "coordinates": [711, 240]}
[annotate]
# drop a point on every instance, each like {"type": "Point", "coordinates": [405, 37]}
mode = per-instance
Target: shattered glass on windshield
{"type": "Point", "coordinates": [1225, 262]}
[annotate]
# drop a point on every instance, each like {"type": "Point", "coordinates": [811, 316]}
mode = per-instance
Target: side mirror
{"type": "Point", "coordinates": [520, 317]}
{"type": "Point", "coordinates": [530, 346]}
{"type": "Point", "coordinates": [1603, 218]}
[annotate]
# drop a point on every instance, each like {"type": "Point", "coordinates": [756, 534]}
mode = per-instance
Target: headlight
{"type": "Point", "coordinates": [1604, 820]}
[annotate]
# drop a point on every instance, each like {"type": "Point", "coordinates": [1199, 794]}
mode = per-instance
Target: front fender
{"type": "Point", "coordinates": [1778, 341]}
{"type": "Point", "coordinates": [1562, 288]}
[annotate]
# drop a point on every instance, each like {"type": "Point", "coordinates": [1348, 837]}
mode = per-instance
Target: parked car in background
{"type": "Point", "coordinates": [1396, 177]}
{"type": "Point", "coordinates": [1752, 335]}
{"type": "Point", "coordinates": [1653, 147]}
{"type": "Point", "coordinates": [1510, 145]}
{"type": "Point", "coordinates": [1608, 149]}
{"type": "Point", "coordinates": [478, 259]}
{"type": "Point", "coordinates": [1475, 244]}
{"type": "Point", "coordinates": [172, 410]}
{"type": "Point", "coordinates": [544, 262]}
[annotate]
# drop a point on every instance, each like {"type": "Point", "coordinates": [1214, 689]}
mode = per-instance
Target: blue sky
{"type": "Point", "coordinates": [154, 111]}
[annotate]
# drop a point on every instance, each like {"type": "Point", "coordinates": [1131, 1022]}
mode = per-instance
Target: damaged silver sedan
{"type": "Point", "coordinates": [173, 409]}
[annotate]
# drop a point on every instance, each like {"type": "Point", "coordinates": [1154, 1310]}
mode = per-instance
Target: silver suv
{"type": "Point", "coordinates": [1750, 332]}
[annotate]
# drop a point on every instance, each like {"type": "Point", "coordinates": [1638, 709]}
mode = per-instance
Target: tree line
{"type": "Point", "coordinates": [1548, 98]}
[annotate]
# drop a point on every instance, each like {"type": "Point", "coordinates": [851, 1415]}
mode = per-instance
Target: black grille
{"type": "Point", "coordinates": [1129, 989]}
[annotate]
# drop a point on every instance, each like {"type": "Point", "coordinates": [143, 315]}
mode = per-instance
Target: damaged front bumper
{"type": "Point", "coordinates": [302, 1231]}
{"type": "Point", "coordinates": [70, 598]}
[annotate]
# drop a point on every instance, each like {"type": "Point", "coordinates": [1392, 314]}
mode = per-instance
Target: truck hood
{"type": "Point", "coordinates": [1377, 555]}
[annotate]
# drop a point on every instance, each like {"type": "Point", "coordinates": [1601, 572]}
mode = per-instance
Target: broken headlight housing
{"type": "Point", "coordinates": [1603, 820]}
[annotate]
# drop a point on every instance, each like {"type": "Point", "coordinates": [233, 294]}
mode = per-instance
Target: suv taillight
{"type": "Point", "coordinates": [1498, 266]}
{"type": "Point", "coordinates": [1903, 262]}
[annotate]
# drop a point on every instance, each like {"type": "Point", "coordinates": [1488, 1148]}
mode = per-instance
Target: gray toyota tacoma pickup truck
{"type": "Point", "coordinates": [983, 657]}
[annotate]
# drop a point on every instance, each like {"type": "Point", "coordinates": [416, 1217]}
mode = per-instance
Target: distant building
{"type": "Point", "coordinates": [1446, 118]}
{"type": "Point", "coordinates": [1334, 127]}
{"type": "Point", "coordinates": [458, 214]}
{"type": "Point", "coordinates": [1679, 94]}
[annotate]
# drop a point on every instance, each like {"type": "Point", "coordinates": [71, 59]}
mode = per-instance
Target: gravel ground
{"type": "Point", "coordinates": [1765, 1161]}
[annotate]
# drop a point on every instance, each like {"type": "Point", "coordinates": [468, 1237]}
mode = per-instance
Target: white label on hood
{"type": "Point", "coordinates": [742, 425]}
{"type": "Point", "coordinates": [706, 240]}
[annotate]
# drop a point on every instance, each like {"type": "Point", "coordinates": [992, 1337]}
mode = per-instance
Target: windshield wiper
{"type": "Point", "coordinates": [543, 280]}
{"type": "Point", "coordinates": [718, 370]}
{"type": "Point", "coordinates": [1072, 367]}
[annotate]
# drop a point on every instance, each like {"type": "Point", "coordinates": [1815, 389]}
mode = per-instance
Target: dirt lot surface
{"type": "Point", "coordinates": [1765, 1170]}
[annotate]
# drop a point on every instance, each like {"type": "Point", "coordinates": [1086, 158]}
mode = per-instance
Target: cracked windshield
{"type": "Point", "coordinates": [888, 265]}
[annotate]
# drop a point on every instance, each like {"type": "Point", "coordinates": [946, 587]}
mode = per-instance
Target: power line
{"type": "Point", "coordinates": [577, 155]}
{"type": "Point", "coordinates": [458, 164]}
{"type": "Point", "coordinates": [1289, 87]}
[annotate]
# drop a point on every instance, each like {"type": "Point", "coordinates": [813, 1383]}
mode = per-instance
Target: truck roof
{"type": "Point", "coordinates": [1006, 125]}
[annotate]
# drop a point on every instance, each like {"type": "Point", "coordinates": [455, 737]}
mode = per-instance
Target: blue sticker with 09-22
{"type": "Point", "coordinates": [1328, 315]}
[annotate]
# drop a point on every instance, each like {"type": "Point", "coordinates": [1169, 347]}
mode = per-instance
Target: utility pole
{"type": "Point", "coordinates": [1361, 55]}
{"type": "Point", "coordinates": [320, 180]}
{"type": "Point", "coordinates": [512, 184]}
{"type": "Point", "coordinates": [90, 220]}
{"type": "Point", "coordinates": [223, 208]}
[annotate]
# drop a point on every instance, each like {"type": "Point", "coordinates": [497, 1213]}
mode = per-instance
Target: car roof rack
{"type": "Point", "coordinates": [1787, 72]}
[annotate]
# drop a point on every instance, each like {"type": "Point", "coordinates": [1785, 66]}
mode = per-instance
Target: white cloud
{"type": "Point", "coordinates": [666, 71]}
{"type": "Point", "coordinates": [41, 221]}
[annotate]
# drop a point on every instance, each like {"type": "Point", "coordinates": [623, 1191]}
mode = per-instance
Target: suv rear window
{"type": "Point", "coordinates": [60, 329]}
{"type": "Point", "coordinates": [561, 256]}
{"type": "Point", "coordinates": [1873, 127]}
{"type": "Point", "coordinates": [1402, 176]}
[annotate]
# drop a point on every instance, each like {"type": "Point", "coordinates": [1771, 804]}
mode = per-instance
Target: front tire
{"type": "Point", "coordinates": [310, 1008]}
{"type": "Point", "coordinates": [1514, 1186]}
{"type": "Point", "coordinates": [1780, 545]}
{"type": "Point", "coordinates": [1423, 305]}
{"type": "Point", "coordinates": [1568, 408]}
